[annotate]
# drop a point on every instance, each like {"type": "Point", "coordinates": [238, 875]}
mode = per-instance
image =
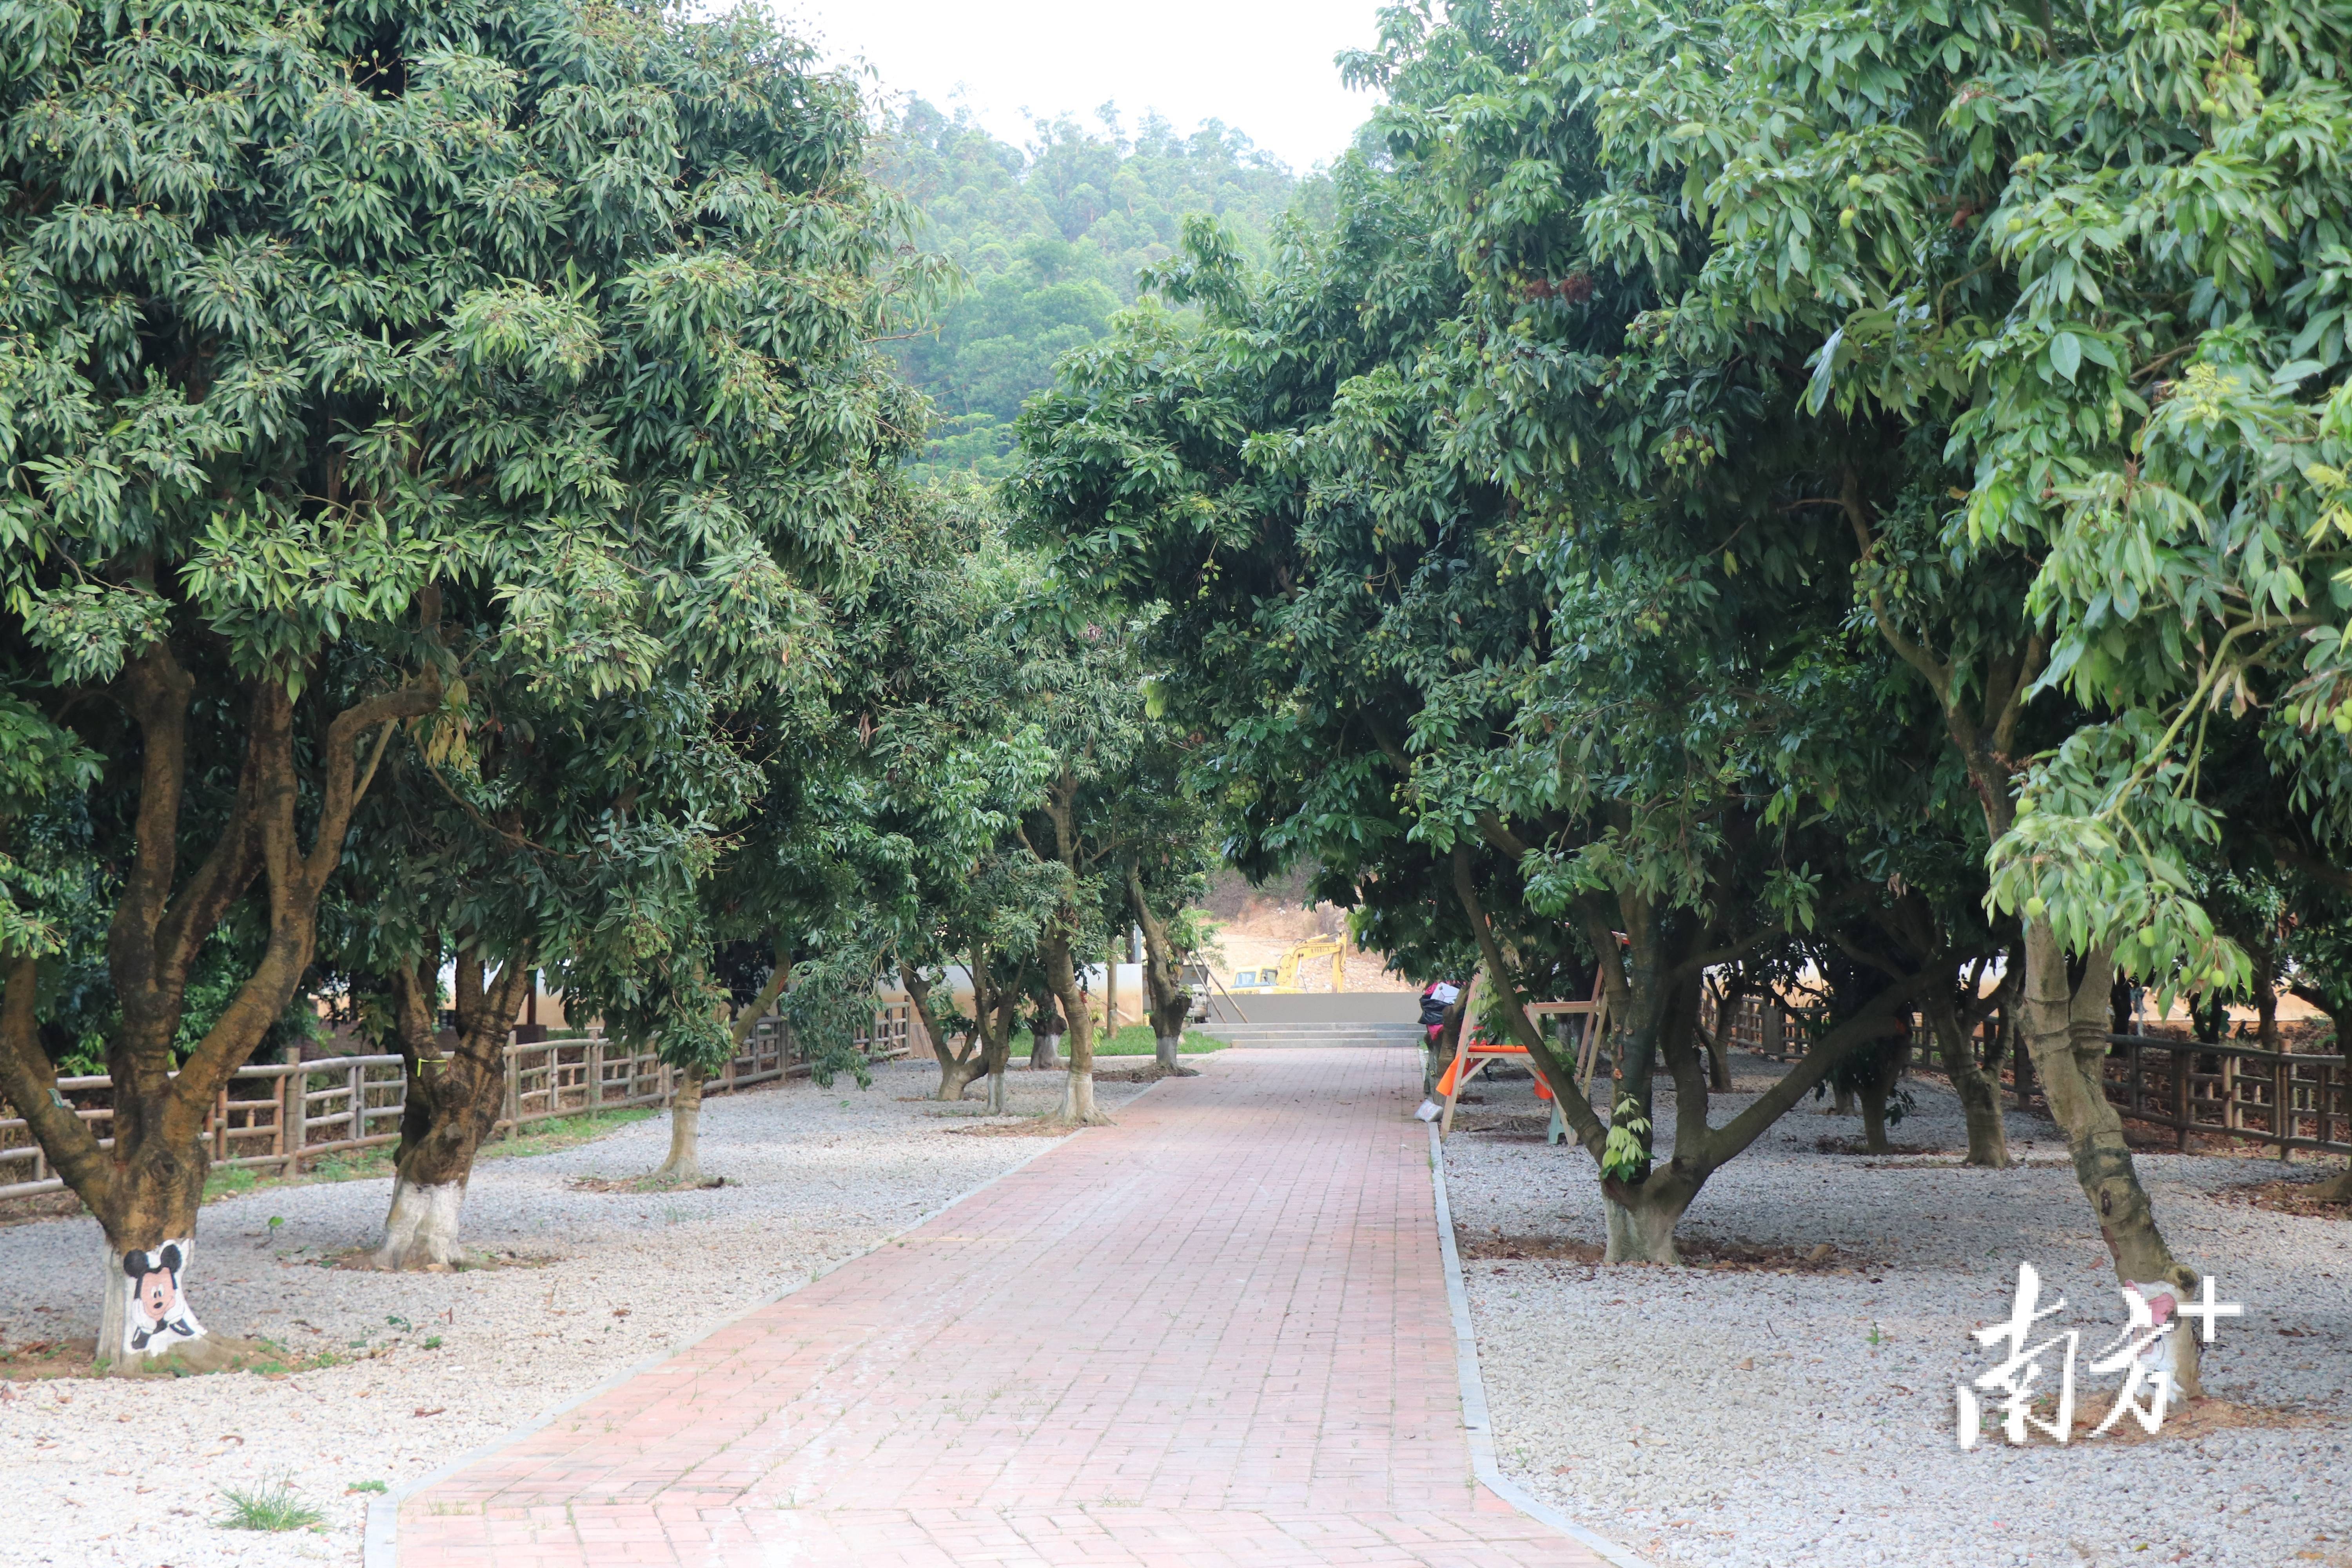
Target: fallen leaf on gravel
{"type": "Point", "coordinates": [435, 1411]}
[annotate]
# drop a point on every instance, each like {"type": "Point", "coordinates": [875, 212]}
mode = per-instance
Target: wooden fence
{"type": "Point", "coordinates": [1761, 1025]}
{"type": "Point", "coordinates": [276, 1118]}
{"type": "Point", "coordinates": [2188, 1086]}
{"type": "Point", "coordinates": [2289, 1100]}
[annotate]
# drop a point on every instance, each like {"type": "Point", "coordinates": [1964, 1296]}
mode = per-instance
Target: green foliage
{"type": "Point", "coordinates": [2099, 255]}
{"type": "Point", "coordinates": [1627, 1149]}
{"type": "Point", "coordinates": [1051, 239]}
{"type": "Point", "coordinates": [272, 1506]}
{"type": "Point", "coordinates": [520, 354]}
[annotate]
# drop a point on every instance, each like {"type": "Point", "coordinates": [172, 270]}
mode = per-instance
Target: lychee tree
{"type": "Point", "coordinates": [328, 338]}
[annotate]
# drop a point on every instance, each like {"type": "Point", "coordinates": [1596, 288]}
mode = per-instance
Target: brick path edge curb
{"type": "Point", "coordinates": [1474, 1390]}
{"type": "Point", "coordinates": [380, 1546]}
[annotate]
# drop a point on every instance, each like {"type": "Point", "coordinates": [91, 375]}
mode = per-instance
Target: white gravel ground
{"type": "Point", "coordinates": [103, 1472]}
{"type": "Point", "coordinates": [1771, 1420]}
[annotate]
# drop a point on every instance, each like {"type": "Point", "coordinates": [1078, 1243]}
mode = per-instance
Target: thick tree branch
{"type": "Point", "coordinates": [29, 1081]}
{"type": "Point", "coordinates": [1559, 1075]}
{"type": "Point", "coordinates": [1722, 1142]}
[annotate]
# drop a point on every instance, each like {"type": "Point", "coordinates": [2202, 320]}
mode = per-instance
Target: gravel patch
{"type": "Point", "coordinates": [1765, 1419]}
{"type": "Point", "coordinates": [105, 1473]}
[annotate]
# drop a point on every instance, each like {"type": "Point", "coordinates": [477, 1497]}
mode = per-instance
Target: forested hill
{"type": "Point", "coordinates": [1050, 237]}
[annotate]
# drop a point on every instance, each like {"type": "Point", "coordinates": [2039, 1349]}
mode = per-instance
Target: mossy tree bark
{"type": "Point", "coordinates": [2066, 1032]}
{"type": "Point", "coordinates": [145, 1189]}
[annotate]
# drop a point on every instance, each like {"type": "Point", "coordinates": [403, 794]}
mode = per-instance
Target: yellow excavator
{"type": "Point", "coordinates": [1284, 976]}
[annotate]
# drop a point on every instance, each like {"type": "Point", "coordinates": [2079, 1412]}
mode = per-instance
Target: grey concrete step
{"type": "Point", "coordinates": [1309, 1034]}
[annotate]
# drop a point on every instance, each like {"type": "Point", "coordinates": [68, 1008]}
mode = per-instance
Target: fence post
{"type": "Point", "coordinates": [514, 1090]}
{"type": "Point", "coordinates": [2282, 1102]}
{"type": "Point", "coordinates": [357, 1126]}
{"type": "Point", "coordinates": [595, 1075]}
{"type": "Point", "coordinates": [2182, 1062]}
{"type": "Point", "coordinates": [295, 1118]}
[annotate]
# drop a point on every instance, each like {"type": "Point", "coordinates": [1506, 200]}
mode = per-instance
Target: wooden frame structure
{"type": "Point", "coordinates": [1472, 1051]}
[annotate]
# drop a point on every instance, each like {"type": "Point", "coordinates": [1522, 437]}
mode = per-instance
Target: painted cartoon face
{"type": "Point", "coordinates": [157, 1292]}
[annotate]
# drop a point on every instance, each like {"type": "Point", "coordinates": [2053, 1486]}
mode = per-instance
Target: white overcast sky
{"type": "Point", "coordinates": [1263, 67]}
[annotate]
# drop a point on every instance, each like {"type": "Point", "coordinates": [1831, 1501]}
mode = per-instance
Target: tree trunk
{"type": "Point", "coordinates": [995, 1012]}
{"type": "Point", "coordinates": [1887, 1061]}
{"type": "Point", "coordinates": [146, 1188]}
{"type": "Point", "coordinates": [1718, 1058]}
{"type": "Point", "coordinates": [958, 1066]}
{"type": "Point", "coordinates": [452, 1101]}
{"type": "Point", "coordinates": [1045, 1054]}
{"type": "Point", "coordinates": [2066, 1030]}
{"type": "Point", "coordinates": [1171, 1003]}
{"type": "Point", "coordinates": [1641, 1219]}
{"type": "Point", "coordinates": [1979, 1095]}
{"type": "Point", "coordinates": [146, 1322]}
{"type": "Point", "coordinates": [1873, 1119]}
{"type": "Point", "coordinates": [1078, 1086]}
{"type": "Point", "coordinates": [1842, 1100]}
{"type": "Point", "coordinates": [1110, 991]}
{"type": "Point", "coordinates": [684, 1166]}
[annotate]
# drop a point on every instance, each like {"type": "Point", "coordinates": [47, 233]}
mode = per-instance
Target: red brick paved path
{"type": "Point", "coordinates": [1215, 1334]}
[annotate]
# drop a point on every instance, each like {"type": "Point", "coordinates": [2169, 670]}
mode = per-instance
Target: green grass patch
{"type": "Point", "coordinates": [358, 1164]}
{"type": "Point", "coordinates": [1133, 1040]}
{"type": "Point", "coordinates": [375, 1486]}
{"type": "Point", "coordinates": [272, 1506]}
{"type": "Point", "coordinates": [564, 1132]}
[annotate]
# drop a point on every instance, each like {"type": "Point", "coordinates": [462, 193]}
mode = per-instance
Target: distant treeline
{"type": "Point", "coordinates": [1050, 239]}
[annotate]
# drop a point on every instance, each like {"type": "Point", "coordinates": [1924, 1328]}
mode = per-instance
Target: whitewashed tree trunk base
{"type": "Point", "coordinates": [1643, 1232]}
{"type": "Point", "coordinates": [996, 1094]}
{"type": "Point", "coordinates": [421, 1231]}
{"type": "Point", "coordinates": [146, 1323]}
{"type": "Point", "coordinates": [1079, 1101]}
{"type": "Point", "coordinates": [1164, 1053]}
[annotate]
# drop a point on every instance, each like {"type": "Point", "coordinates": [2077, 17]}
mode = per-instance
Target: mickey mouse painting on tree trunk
{"type": "Point", "coordinates": [159, 1317]}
